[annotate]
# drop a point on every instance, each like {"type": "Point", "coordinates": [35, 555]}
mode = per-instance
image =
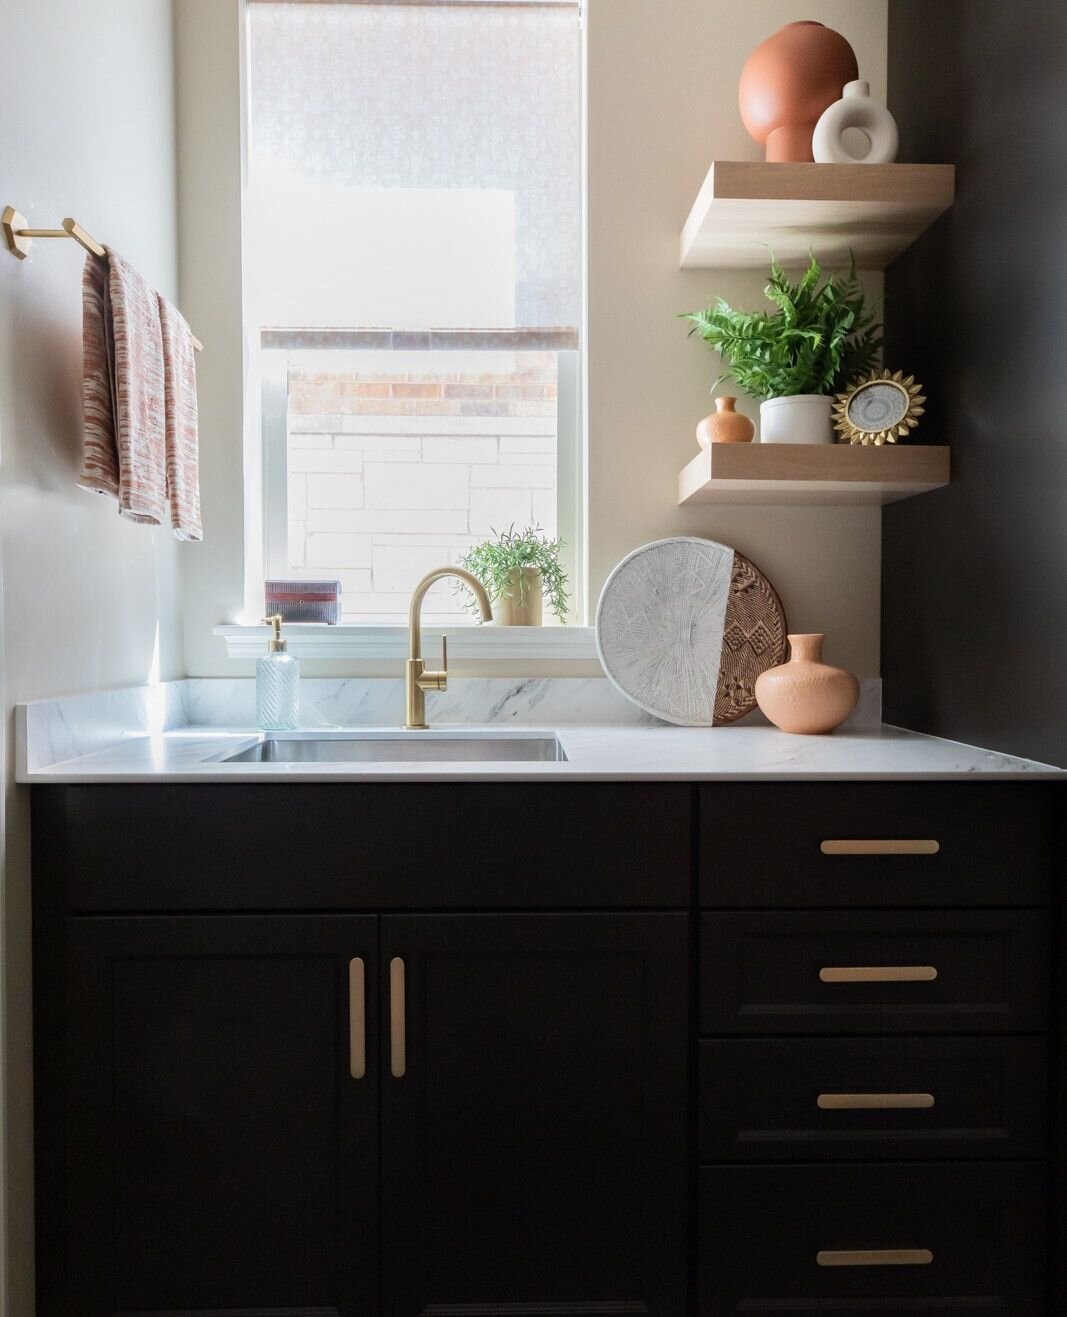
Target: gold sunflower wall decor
{"type": "Point", "coordinates": [880, 409]}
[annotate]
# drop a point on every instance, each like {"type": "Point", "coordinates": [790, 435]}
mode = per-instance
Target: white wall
{"type": "Point", "coordinates": [88, 600]}
{"type": "Point", "coordinates": [662, 103]}
{"type": "Point", "coordinates": [662, 91]}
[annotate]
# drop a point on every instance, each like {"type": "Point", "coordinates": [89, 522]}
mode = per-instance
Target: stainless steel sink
{"type": "Point", "coordinates": [404, 748]}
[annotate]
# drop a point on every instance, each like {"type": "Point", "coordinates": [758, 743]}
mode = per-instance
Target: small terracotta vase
{"type": "Point", "coordinates": [510, 611]}
{"type": "Point", "coordinates": [789, 81]}
{"type": "Point", "coordinates": [805, 695]}
{"type": "Point", "coordinates": [725, 426]}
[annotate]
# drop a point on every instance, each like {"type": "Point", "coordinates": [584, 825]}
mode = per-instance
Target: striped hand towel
{"type": "Point", "coordinates": [139, 399]}
{"type": "Point", "coordinates": [182, 446]}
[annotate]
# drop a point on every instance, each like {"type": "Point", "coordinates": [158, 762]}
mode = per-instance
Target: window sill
{"type": "Point", "coordinates": [373, 642]}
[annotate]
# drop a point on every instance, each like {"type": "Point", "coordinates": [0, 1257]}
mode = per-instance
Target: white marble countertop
{"type": "Point", "coordinates": [594, 753]}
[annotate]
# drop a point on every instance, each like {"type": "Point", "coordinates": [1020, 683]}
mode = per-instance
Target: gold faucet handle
{"type": "Point", "coordinates": [441, 678]}
{"type": "Point", "coordinates": [436, 681]}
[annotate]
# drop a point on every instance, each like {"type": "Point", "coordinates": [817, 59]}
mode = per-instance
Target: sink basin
{"type": "Point", "coordinates": [401, 748]}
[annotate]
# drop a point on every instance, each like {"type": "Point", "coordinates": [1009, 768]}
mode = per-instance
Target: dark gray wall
{"type": "Point", "coordinates": [974, 608]}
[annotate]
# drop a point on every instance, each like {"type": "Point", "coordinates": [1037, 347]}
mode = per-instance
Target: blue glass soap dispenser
{"type": "Point", "coordinates": [277, 684]}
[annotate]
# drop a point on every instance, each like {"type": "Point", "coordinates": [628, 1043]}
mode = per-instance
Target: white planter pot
{"type": "Point", "coordinates": [802, 419]}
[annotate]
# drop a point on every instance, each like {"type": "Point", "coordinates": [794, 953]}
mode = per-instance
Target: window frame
{"type": "Point", "coordinates": [266, 456]}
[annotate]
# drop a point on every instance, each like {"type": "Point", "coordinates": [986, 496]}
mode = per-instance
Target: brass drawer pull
{"type": "Point", "coordinates": [878, 974]}
{"type": "Point", "coordinates": [890, 846]}
{"type": "Point", "coordinates": [875, 1101]}
{"type": "Point", "coordinates": [398, 1050]}
{"type": "Point", "coordinates": [874, 1257]}
{"type": "Point", "coordinates": [357, 1019]}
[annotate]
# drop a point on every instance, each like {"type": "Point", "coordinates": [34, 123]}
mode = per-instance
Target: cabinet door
{"type": "Point", "coordinates": [534, 1145]}
{"type": "Point", "coordinates": [222, 1148]}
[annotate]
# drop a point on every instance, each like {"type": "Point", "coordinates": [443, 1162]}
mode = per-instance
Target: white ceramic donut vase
{"type": "Point", "coordinates": [856, 109]}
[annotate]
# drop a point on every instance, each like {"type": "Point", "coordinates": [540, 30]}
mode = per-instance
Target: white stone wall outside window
{"type": "Point", "coordinates": [391, 482]}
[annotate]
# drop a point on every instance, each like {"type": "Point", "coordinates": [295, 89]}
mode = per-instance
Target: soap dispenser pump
{"type": "Point", "coordinates": [277, 684]}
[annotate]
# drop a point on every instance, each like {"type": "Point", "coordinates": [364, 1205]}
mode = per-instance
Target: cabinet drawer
{"type": "Point", "coordinates": [880, 971]}
{"type": "Point", "coordinates": [363, 846]}
{"type": "Point", "coordinates": [763, 845]}
{"type": "Point", "coordinates": [871, 1099]}
{"type": "Point", "coordinates": [959, 1239]}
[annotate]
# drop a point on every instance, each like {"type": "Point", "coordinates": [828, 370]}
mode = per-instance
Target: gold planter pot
{"type": "Point", "coordinates": [522, 606]}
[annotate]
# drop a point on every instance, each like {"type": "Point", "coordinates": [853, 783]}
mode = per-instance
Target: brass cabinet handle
{"type": "Point", "coordinates": [357, 1019]}
{"type": "Point", "coordinates": [398, 1051]}
{"type": "Point", "coordinates": [874, 1257]}
{"type": "Point", "coordinates": [877, 973]}
{"type": "Point", "coordinates": [875, 1101]}
{"type": "Point", "coordinates": [889, 846]}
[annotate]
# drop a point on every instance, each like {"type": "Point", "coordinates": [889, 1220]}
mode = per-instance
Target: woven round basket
{"type": "Point", "coordinates": [685, 626]}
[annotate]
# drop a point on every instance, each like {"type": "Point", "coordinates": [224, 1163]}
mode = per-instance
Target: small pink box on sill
{"type": "Point", "coordinates": [304, 601]}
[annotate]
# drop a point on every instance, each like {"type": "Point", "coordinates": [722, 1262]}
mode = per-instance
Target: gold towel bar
{"type": "Point", "coordinates": [19, 239]}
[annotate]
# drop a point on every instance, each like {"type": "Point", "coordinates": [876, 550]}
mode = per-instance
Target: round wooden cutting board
{"type": "Point", "coordinates": [685, 626]}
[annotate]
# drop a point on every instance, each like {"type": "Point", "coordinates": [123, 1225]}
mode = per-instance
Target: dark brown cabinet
{"type": "Point", "coordinates": [664, 1062]}
{"type": "Point", "coordinates": [220, 1155]}
{"type": "Point", "coordinates": [873, 1081]}
{"type": "Point", "coordinates": [309, 1115]}
{"type": "Point", "coordinates": [876, 1099]}
{"type": "Point", "coordinates": [865, 971]}
{"type": "Point", "coordinates": [993, 845]}
{"type": "Point", "coordinates": [900, 1240]}
{"type": "Point", "coordinates": [534, 1150]}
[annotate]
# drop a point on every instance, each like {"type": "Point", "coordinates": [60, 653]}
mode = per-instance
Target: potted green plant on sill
{"type": "Point", "coordinates": [518, 570]}
{"type": "Point", "coordinates": [821, 339]}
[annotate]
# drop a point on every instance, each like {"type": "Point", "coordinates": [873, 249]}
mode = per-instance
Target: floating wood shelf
{"type": "Point", "coordinates": [816, 474]}
{"type": "Point", "coordinates": [746, 210]}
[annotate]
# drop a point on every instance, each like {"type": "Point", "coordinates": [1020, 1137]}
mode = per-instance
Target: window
{"type": "Point", "coordinates": [413, 277]}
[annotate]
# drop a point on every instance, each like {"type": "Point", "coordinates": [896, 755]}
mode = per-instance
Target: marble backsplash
{"type": "Point", "coordinates": [53, 731]}
{"type": "Point", "coordinates": [379, 701]}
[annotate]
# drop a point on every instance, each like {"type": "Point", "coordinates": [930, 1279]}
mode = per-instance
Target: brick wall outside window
{"type": "Point", "coordinates": [391, 474]}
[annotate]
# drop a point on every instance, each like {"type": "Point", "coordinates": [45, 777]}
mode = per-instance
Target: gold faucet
{"type": "Point", "coordinates": [418, 679]}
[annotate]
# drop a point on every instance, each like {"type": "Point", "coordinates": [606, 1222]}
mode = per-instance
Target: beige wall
{"type": "Point", "coordinates": [209, 54]}
{"type": "Point", "coordinates": [661, 105]}
{"type": "Point", "coordinates": [88, 600]}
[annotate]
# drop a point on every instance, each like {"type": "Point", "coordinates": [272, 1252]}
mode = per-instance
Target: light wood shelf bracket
{"type": "Point", "coordinates": [814, 474]}
{"type": "Point", "coordinates": [748, 209]}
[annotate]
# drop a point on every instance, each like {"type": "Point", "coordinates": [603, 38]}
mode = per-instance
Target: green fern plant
{"type": "Point", "coordinates": [821, 339]}
{"type": "Point", "coordinates": [498, 564]}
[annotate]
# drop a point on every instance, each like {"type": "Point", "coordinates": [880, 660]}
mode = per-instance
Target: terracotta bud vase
{"type": "Point", "coordinates": [509, 611]}
{"type": "Point", "coordinates": [805, 695]}
{"type": "Point", "coordinates": [789, 81]}
{"type": "Point", "coordinates": [725, 425]}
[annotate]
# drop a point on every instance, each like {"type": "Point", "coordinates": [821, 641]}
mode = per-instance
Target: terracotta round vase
{"type": "Point", "coordinates": [789, 81]}
{"type": "Point", "coordinates": [805, 695]}
{"type": "Point", "coordinates": [725, 425]}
